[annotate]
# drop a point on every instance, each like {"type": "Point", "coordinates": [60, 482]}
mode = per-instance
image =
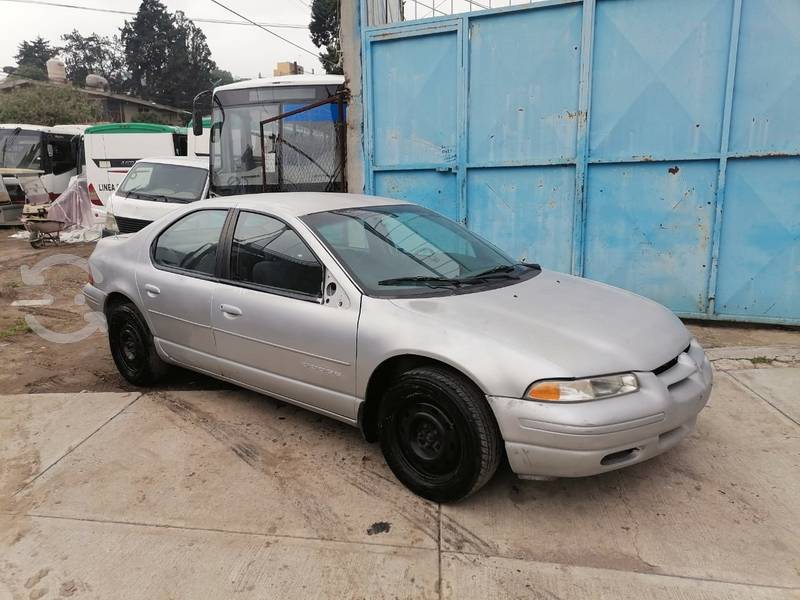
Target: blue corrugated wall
{"type": "Point", "coordinates": [650, 144]}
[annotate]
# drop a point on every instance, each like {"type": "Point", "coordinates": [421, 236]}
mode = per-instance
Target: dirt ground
{"type": "Point", "coordinates": [32, 364]}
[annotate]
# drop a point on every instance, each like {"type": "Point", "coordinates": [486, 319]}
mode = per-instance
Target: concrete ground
{"type": "Point", "coordinates": [189, 494]}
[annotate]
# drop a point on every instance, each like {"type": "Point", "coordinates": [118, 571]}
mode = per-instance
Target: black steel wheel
{"type": "Point", "coordinates": [438, 434]}
{"type": "Point", "coordinates": [132, 346]}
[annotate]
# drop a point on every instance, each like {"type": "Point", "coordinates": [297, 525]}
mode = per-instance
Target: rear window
{"type": "Point", "coordinates": [164, 183]}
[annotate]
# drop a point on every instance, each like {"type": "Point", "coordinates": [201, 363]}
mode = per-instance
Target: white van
{"type": "Point", "coordinates": [52, 151]}
{"type": "Point", "coordinates": [152, 188]}
{"type": "Point", "coordinates": [111, 150]}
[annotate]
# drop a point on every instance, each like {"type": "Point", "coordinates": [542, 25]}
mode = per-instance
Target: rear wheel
{"type": "Point", "coordinates": [438, 434]}
{"type": "Point", "coordinates": [132, 346]}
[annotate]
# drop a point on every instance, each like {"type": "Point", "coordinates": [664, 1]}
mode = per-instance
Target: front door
{"type": "Point", "coordinates": [177, 287]}
{"type": "Point", "coordinates": [273, 328]}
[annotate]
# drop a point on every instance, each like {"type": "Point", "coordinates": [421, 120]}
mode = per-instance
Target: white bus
{"type": "Point", "coordinates": [198, 145]}
{"type": "Point", "coordinates": [110, 151]}
{"type": "Point", "coordinates": [301, 152]}
{"type": "Point", "coordinates": [53, 151]}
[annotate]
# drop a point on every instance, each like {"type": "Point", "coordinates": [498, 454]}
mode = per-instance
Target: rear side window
{"type": "Point", "coordinates": [267, 252]}
{"type": "Point", "coordinates": [191, 243]}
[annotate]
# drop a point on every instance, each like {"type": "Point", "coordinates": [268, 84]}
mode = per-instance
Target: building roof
{"type": "Point", "coordinates": [13, 82]}
{"type": "Point", "coordinates": [108, 128]}
{"type": "Point", "coordinates": [283, 80]}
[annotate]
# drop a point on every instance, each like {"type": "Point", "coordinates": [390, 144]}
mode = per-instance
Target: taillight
{"type": "Point", "coordinates": [93, 197]}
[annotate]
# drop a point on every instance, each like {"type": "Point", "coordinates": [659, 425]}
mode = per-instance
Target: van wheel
{"type": "Point", "coordinates": [132, 346]}
{"type": "Point", "coordinates": [438, 434]}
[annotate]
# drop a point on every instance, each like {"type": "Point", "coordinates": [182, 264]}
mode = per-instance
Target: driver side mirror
{"type": "Point", "coordinates": [197, 113]}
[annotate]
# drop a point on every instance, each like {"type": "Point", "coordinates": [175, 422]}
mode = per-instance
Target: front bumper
{"type": "Point", "coordinates": [551, 439]}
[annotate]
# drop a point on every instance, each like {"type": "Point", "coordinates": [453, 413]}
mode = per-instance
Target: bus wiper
{"type": "Point", "coordinates": [423, 279]}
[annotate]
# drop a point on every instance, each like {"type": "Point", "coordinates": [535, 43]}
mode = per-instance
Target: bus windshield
{"type": "Point", "coordinates": [299, 153]}
{"type": "Point", "coordinates": [20, 149]}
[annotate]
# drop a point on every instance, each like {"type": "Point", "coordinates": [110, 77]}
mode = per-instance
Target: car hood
{"type": "Point", "coordinates": [574, 326]}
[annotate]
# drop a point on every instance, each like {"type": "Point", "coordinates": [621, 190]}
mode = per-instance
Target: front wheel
{"type": "Point", "coordinates": [132, 346]}
{"type": "Point", "coordinates": [438, 434]}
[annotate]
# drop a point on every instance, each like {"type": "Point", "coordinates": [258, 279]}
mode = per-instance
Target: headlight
{"type": "Point", "coordinates": [111, 223]}
{"type": "Point", "coordinates": [578, 390]}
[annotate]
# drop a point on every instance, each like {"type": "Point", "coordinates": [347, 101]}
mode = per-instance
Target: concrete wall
{"type": "Point", "coordinates": [351, 49]}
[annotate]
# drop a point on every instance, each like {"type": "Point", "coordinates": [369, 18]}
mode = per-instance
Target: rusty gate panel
{"type": "Point", "coordinates": [648, 229]}
{"type": "Point", "coordinates": [652, 145]}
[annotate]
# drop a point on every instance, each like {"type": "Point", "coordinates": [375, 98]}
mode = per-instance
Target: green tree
{"type": "Point", "coordinates": [146, 40]}
{"type": "Point", "coordinates": [35, 53]}
{"type": "Point", "coordinates": [94, 54]}
{"type": "Point", "coordinates": [29, 72]}
{"type": "Point", "coordinates": [190, 66]}
{"type": "Point", "coordinates": [167, 55]}
{"type": "Point", "coordinates": [324, 28]}
{"type": "Point", "coordinates": [48, 105]}
{"type": "Point", "coordinates": [221, 77]}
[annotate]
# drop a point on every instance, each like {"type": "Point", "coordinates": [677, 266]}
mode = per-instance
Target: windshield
{"type": "Point", "coordinates": [164, 183]}
{"type": "Point", "coordinates": [298, 154]}
{"type": "Point", "coordinates": [406, 250]}
{"type": "Point", "coordinates": [20, 149]}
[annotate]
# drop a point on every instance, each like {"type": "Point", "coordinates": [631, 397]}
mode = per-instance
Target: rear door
{"type": "Point", "coordinates": [177, 286]}
{"type": "Point", "coordinates": [274, 327]}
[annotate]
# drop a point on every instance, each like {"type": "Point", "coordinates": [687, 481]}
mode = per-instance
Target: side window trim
{"type": "Point", "coordinates": [186, 272]}
{"type": "Point", "coordinates": [224, 270]}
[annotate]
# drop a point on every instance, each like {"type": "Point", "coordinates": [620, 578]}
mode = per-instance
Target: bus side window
{"type": "Point", "coordinates": [181, 144]}
{"type": "Point", "coordinates": [62, 154]}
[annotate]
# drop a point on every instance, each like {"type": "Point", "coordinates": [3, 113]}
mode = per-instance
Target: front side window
{"type": "Point", "coordinates": [191, 243]}
{"type": "Point", "coordinates": [405, 250]}
{"type": "Point", "coordinates": [164, 183]}
{"type": "Point", "coordinates": [267, 252]}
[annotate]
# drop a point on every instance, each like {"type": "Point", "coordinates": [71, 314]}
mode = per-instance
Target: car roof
{"type": "Point", "coordinates": [183, 161]}
{"type": "Point", "coordinates": [297, 204]}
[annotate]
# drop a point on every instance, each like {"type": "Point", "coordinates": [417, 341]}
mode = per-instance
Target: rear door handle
{"type": "Point", "coordinates": [152, 290]}
{"type": "Point", "coordinates": [228, 309]}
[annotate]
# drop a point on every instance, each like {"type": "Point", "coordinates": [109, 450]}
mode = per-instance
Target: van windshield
{"type": "Point", "coordinates": [20, 149]}
{"type": "Point", "coordinates": [164, 183]}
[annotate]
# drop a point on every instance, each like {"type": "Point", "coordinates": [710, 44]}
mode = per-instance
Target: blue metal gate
{"type": "Point", "coordinates": [652, 145]}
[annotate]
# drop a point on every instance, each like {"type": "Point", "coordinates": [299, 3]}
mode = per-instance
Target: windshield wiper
{"type": "Point", "coordinates": [423, 279]}
{"type": "Point", "coordinates": [498, 270]}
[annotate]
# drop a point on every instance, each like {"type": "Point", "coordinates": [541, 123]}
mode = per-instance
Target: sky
{"type": "Point", "coordinates": [244, 50]}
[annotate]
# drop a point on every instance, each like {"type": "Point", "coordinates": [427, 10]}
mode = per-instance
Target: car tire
{"type": "Point", "coordinates": [132, 346]}
{"type": "Point", "coordinates": [438, 434]}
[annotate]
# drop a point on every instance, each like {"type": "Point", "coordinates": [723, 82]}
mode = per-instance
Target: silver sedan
{"type": "Point", "coordinates": [394, 319]}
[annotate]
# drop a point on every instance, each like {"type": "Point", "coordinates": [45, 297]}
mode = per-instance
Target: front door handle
{"type": "Point", "coordinates": [151, 290]}
{"type": "Point", "coordinates": [230, 310]}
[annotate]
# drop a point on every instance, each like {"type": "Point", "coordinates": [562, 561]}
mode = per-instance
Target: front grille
{"type": "Point", "coordinates": [670, 363]}
{"type": "Point", "coordinates": [128, 225]}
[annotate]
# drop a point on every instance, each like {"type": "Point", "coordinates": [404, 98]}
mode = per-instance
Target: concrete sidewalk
{"type": "Point", "coordinates": [229, 494]}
